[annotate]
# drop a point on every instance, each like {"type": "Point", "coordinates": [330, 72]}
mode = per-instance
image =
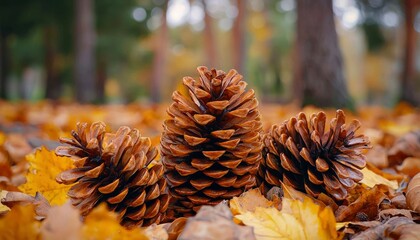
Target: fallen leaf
{"type": "Point", "coordinates": [351, 228]}
{"type": "Point", "coordinates": [215, 223]}
{"type": "Point", "coordinates": [371, 179]}
{"type": "Point", "coordinates": [20, 223]}
{"type": "Point", "coordinates": [17, 147]}
{"type": "Point", "coordinates": [3, 208]}
{"type": "Point", "coordinates": [388, 213]}
{"type": "Point", "coordinates": [294, 194]}
{"type": "Point", "coordinates": [156, 232]}
{"type": "Point", "coordinates": [367, 203]}
{"type": "Point", "coordinates": [394, 228]}
{"type": "Point", "coordinates": [40, 203]}
{"type": "Point", "coordinates": [297, 220]}
{"type": "Point", "coordinates": [413, 193]}
{"type": "Point", "coordinates": [62, 222]}
{"type": "Point", "coordinates": [406, 146]}
{"type": "Point", "coordinates": [103, 224]}
{"type": "Point", "coordinates": [44, 167]}
{"type": "Point", "coordinates": [248, 201]}
{"type": "Point", "coordinates": [410, 166]}
{"type": "Point", "coordinates": [378, 156]}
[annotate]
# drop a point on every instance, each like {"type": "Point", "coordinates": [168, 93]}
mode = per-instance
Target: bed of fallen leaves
{"type": "Point", "coordinates": [386, 203]}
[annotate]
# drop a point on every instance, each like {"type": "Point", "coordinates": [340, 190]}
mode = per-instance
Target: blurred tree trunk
{"type": "Point", "coordinates": [318, 71]}
{"type": "Point", "coordinates": [84, 72]}
{"type": "Point", "coordinates": [159, 61]}
{"type": "Point", "coordinates": [101, 81]}
{"type": "Point", "coordinates": [408, 88]}
{"type": "Point", "coordinates": [52, 84]}
{"type": "Point", "coordinates": [4, 64]}
{"type": "Point", "coordinates": [209, 41]}
{"type": "Point", "coordinates": [238, 44]}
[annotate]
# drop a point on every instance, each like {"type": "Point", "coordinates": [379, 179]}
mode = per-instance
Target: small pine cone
{"type": "Point", "coordinates": [211, 145]}
{"type": "Point", "coordinates": [114, 168]}
{"type": "Point", "coordinates": [304, 156]}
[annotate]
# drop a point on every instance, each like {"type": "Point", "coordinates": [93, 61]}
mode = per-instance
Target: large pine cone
{"type": "Point", "coordinates": [114, 168]}
{"type": "Point", "coordinates": [304, 156]}
{"type": "Point", "coordinates": [211, 146]}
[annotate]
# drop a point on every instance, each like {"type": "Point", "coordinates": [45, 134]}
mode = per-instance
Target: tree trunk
{"type": "Point", "coordinates": [159, 61]}
{"type": "Point", "coordinates": [318, 68]}
{"type": "Point", "coordinates": [52, 90]}
{"type": "Point", "coordinates": [209, 41]}
{"type": "Point", "coordinates": [101, 81]}
{"type": "Point", "coordinates": [408, 86]}
{"type": "Point", "coordinates": [84, 72]}
{"type": "Point", "coordinates": [238, 44]}
{"type": "Point", "coordinates": [4, 65]}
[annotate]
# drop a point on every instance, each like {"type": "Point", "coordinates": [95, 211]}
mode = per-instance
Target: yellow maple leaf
{"type": "Point", "coordinates": [103, 224]}
{"type": "Point", "coordinates": [371, 179]}
{"type": "Point", "coordinates": [44, 168]}
{"type": "Point", "coordinates": [19, 223]}
{"type": "Point", "coordinates": [299, 220]}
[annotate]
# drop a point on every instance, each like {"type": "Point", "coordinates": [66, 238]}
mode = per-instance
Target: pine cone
{"type": "Point", "coordinates": [304, 156]}
{"type": "Point", "coordinates": [211, 146]}
{"type": "Point", "coordinates": [114, 168]}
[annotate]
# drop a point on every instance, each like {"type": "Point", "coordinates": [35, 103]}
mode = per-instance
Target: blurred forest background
{"type": "Point", "coordinates": [108, 51]}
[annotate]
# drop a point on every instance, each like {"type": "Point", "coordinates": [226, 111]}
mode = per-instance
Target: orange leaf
{"type": "Point", "coordinates": [19, 223]}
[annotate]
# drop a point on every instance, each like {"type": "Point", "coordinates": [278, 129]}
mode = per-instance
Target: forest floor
{"type": "Point", "coordinates": [385, 204]}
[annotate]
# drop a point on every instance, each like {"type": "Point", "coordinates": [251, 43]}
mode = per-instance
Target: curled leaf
{"type": "Point", "coordinates": [394, 228]}
{"type": "Point", "coordinates": [62, 222]}
{"type": "Point", "coordinates": [214, 223]}
{"type": "Point", "coordinates": [413, 194]}
{"type": "Point", "coordinates": [44, 168]}
{"type": "Point", "coordinates": [410, 166]}
{"type": "Point", "coordinates": [248, 201]}
{"type": "Point", "coordinates": [367, 204]}
{"type": "Point", "coordinates": [299, 220]}
{"type": "Point", "coordinates": [371, 179]}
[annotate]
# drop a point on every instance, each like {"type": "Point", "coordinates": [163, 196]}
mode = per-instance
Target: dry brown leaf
{"type": "Point", "coordinates": [17, 147]}
{"type": "Point", "coordinates": [215, 223]}
{"type": "Point", "coordinates": [410, 166]}
{"type": "Point", "coordinates": [351, 228]}
{"type": "Point", "coordinates": [413, 193]}
{"type": "Point", "coordinates": [406, 146]}
{"type": "Point", "coordinates": [377, 156]}
{"type": "Point", "coordinates": [388, 213]}
{"type": "Point", "coordinates": [19, 223]}
{"type": "Point", "coordinates": [62, 222]}
{"type": "Point", "coordinates": [248, 201]}
{"type": "Point", "coordinates": [394, 228]}
{"type": "Point", "coordinates": [41, 204]}
{"type": "Point", "coordinates": [297, 220]}
{"type": "Point", "coordinates": [44, 168]}
{"type": "Point", "coordinates": [367, 204]}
